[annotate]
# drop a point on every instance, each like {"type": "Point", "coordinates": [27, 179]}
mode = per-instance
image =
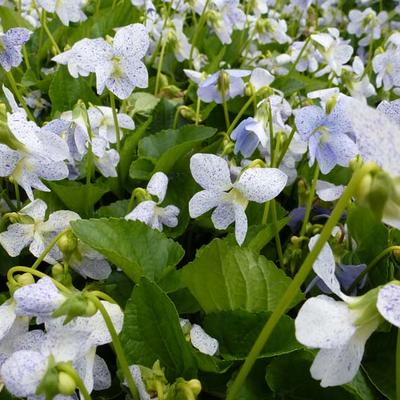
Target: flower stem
{"type": "Point", "coordinates": [15, 89]}
{"type": "Point", "coordinates": [296, 61]}
{"type": "Point", "coordinates": [48, 249]}
{"type": "Point", "coordinates": [240, 114]}
{"type": "Point", "coordinates": [310, 199]}
{"type": "Point", "coordinates": [160, 63]}
{"type": "Point", "coordinates": [13, 270]}
{"type": "Point", "coordinates": [297, 281]}
{"type": "Point", "coordinates": [116, 124]}
{"type": "Point", "coordinates": [26, 57]}
{"type": "Point", "coordinates": [17, 195]}
{"type": "Point", "coordinates": [285, 147]}
{"type": "Point", "coordinates": [197, 32]}
{"type": "Point", "coordinates": [371, 265]}
{"type": "Point", "coordinates": [225, 104]}
{"type": "Point", "coordinates": [276, 232]}
{"type": "Point", "coordinates": [197, 116]}
{"type": "Point", "coordinates": [49, 34]}
{"type": "Point", "coordinates": [117, 347]}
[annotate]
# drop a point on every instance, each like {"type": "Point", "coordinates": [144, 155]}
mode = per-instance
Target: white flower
{"type": "Point", "coordinates": [102, 122]}
{"type": "Point", "coordinates": [149, 211]}
{"type": "Point", "coordinates": [230, 199]}
{"type": "Point", "coordinates": [387, 68]}
{"type": "Point", "coordinates": [117, 66]}
{"type": "Point", "coordinates": [32, 230]}
{"type": "Point", "coordinates": [105, 159]}
{"type": "Point", "coordinates": [260, 77]}
{"type": "Point", "coordinates": [67, 10]}
{"type": "Point", "coordinates": [24, 370]}
{"type": "Point", "coordinates": [309, 58]}
{"type": "Point", "coordinates": [366, 24]}
{"type": "Point", "coordinates": [334, 51]}
{"type": "Point", "coordinates": [41, 154]}
{"type": "Point", "coordinates": [334, 327]}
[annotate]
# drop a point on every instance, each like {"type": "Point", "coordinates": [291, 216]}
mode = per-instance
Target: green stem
{"type": "Point", "coordinates": [48, 249]}
{"type": "Point", "coordinates": [160, 63]}
{"type": "Point", "coordinates": [297, 281]}
{"type": "Point", "coordinates": [276, 232]}
{"type": "Point", "coordinates": [266, 212]}
{"type": "Point", "coordinates": [310, 199]}
{"type": "Point", "coordinates": [117, 347]}
{"type": "Point", "coordinates": [224, 103]}
{"type": "Point", "coordinates": [13, 270]}
{"type": "Point", "coordinates": [176, 118]}
{"type": "Point", "coordinates": [49, 34]}
{"type": "Point", "coordinates": [70, 370]}
{"type": "Point", "coordinates": [197, 116]}
{"type": "Point", "coordinates": [116, 124]}
{"type": "Point", "coordinates": [16, 91]}
{"type": "Point", "coordinates": [26, 57]}
{"type": "Point", "coordinates": [197, 31]}
{"type": "Point", "coordinates": [240, 114]}
{"type": "Point", "coordinates": [17, 195]}
{"type": "Point", "coordinates": [285, 147]}
{"type": "Point", "coordinates": [398, 366]}
{"type": "Point", "coordinates": [271, 135]}
{"type": "Point", "coordinates": [371, 265]}
{"type": "Point", "coordinates": [296, 61]}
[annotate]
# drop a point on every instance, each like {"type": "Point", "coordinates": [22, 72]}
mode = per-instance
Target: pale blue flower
{"type": "Point", "coordinates": [209, 90]}
{"type": "Point", "coordinates": [11, 43]}
{"type": "Point", "coordinates": [248, 135]}
{"type": "Point", "coordinates": [331, 140]}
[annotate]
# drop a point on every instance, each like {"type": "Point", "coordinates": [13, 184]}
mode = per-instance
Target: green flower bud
{"type": "Point", "coordinates": [223, 82]}
{"type": "Point", "coordinates": [25, 279]}
{"type": "Point", "coordinates": [195, 386]}
{"type": "Point", "coordinates": [57, 270]}
{"type": "Point", "coordinates": [77, 305]}
{"type": "Point", "coordinates": [187, 113]}
{"type": "Point", "coordinates": [171, 92]}
{"type": "Point", "coordinates": [330, 104]}
{"type": "Point", "coordinates": [67, 243]}
{"type": "Point", "coordinates": [66, 384]}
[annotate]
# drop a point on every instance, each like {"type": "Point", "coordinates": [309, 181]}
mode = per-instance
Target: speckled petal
{"type": "Point", "coordinates": [261, 184]}
{"type": "Point", "coordinates": [240, 224]}
{"type": "Point", "coordinates": [38, 299]}
{"type": "Point", "coordinates": [23, 371]}
{"type": "Point", "coordinates": [16, 237]}
{"type": "Point", "coordinates": [204, 201]}
{"type": "Point", "coordinates": [131, 41]}
{"type": "Point", "coordinates": [210, 172]}
{"type": "Point", "coordinates": [202, 341]}
{"type": "Point", "coordinates": [101, 374]}
{"type": "Point", "coordinates": [388, 303]}
{"type": "Point", "coordinates": [158, 185]}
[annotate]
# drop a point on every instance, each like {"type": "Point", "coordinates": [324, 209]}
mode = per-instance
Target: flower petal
{"type": "Point", "coordinates": [388, 303]}
{"type": "Point", "coordinates": [210, 172]}
{"type": "Point", "coordinates": [158, 185]}
{"type": "Point", "coordinates": [261, 184]}
{"type": "Point", "coordinates": [23, 371]}
{"type": "Point", "coordinates": [240, 224]}
{"type": "Point", "coordinates": [327, 191]}
{"type": "Point", "coordinates": [324, 323]}
{"type": "Point", "coordinates": [16, 237]}
{"type": "Point", "coordinates": [38, 299]}
{"type": "Point", "coordinates": [131, 41]}
{"type": "Point", "coordinates": [223, 215]}
{"type": "Point", "coordinates": [204, 201]}
{"type": "Point", "coordinates": [202, 341]}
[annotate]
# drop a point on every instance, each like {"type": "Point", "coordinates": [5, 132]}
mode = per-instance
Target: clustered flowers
{"type": "Point", "coordinates": [176, 175]}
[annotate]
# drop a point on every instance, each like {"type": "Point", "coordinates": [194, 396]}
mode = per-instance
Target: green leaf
{"type": "Point", "coordinates": [152, 332]}
{"type": "Point", "coordinates": [131, 245]}
{"type": "Point", "coordinates": [163, 115]}
{"type": "Point", "coordinates": [379, 362]}
{"type": "Point", "coordinates": [289, 377]}
{"type": "Point", "coordinates": [141, 169]}
{"type": "Point", "coordinates": [11, 19]}
{"type": "Point", "coordinates": [297, 81]}
{"type": "Point", "coordinates": [224, 277]}
{"type": "Point", "coordinates": [371, 237]}
{"type": "Point", "coordinates": [236, 332]}
{"type": "Point", "coordinates": [65, 91]}
{"type": "Point", "coordinates": [77, 196]}
{"type": "Point", "coordinates": [143, 103]}
{"type": "Point", "coordinates": [117, 209]}
{"type": "Point", "coordinates": [128, 150]}
{"type": "Point", "coordinates": [167, 147]}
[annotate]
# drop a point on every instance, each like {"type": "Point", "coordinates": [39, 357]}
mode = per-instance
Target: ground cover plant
{"type": "Point", "coordinates": [200, 199]}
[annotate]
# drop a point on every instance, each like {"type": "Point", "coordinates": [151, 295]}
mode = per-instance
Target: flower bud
{"type": "Point", "coordinates": [330, 104]}
{"type": "Point", "coordinates": [223, 82]}
{"type": "Point", "coordinates": [57, 270]}
{"type": "Point", "coordinates": [25, 279]}
{"type": "Point", "coordinates": [195, 386]}
{"type": "Point", "coordinates": [66, 384]}
{"type": "Point", "coordinates": [67, 243]}
{"type": "Point", "coordinates": [187, 113]}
